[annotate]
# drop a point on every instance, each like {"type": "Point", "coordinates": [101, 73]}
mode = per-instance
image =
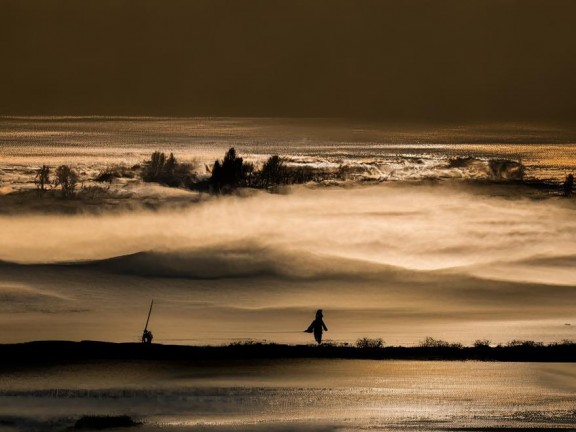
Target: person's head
{"type": "Point", "coordinates": [319, 313]}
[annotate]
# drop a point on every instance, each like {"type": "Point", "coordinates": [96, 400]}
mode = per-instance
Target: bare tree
{"type": "Point", "coordinates": [42, 178]}
{"type": "Point", "coordinates": [67, 178]}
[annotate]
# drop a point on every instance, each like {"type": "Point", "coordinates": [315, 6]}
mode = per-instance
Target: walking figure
{"type": "Point", "coordinates": [317, 327]}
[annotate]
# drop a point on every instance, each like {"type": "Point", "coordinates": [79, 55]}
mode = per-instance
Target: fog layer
{"type": "Point", "coordinates": [395, 260]}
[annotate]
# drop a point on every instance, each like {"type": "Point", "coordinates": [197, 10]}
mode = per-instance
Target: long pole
{"type": "Point", "coordinates": [149, 312]}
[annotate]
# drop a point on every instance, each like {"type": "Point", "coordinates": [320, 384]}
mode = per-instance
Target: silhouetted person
{"type": "Point", "coordinates": [147, 337]}
{"type": "Point", "coordinates": [317, 327]}
{"type": "Point", "coordinates": [568, 185]}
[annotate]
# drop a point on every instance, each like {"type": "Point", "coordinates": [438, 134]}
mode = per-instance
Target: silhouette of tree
{"type": "Point", "coordinates": [568, 185]}
{"type": "Point", "coordinates": [231, 173]}
{"type": "Point", "coordinates": [42, 177]}
{"type": "Point", "coordinates": [248, 174]}
{"type": "Point", "coordinates": [273, 171]}
{"type": "Point", "coordinates": [153, 168]}
{"type": "Point", "coordinates": [66, 178]}
{"type": "Point", "coordinates": [166, 170]}
{"type": "Point", "coordinates": [169, 168]}
{"type": "Point", "coordinates": [216, 177]}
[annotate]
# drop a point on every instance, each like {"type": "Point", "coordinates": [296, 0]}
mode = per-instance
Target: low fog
{"type": "Point", "coordinates": [395, 260]}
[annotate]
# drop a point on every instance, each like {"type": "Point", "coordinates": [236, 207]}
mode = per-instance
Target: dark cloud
{"type": "Point", "coordinates": [401, 59]}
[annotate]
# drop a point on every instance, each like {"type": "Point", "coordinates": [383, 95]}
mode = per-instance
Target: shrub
{"type": "Point", "coordinates": [109, 174]}
{"type": "Point", "coordinates": [368, 343]}
{"type": "Point", "coordinates": [565, 342]}
{"type": "Point", "coordinates": [481, 343]}
{"type": "Point", "coordinates": [524, 344]}
{"type": "Point", "coordinates": [430, 342]}
{"type": "Point", "coordinates": [106, 176]}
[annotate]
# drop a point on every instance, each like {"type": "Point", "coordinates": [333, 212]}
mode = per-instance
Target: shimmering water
{"type": "Point", "coordinates": [339, 395]}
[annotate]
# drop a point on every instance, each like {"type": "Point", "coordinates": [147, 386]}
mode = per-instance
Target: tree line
{"type": "Point", "coordinates": [227, 174]}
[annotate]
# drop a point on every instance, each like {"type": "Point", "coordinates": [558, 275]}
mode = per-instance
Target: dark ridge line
{"type": "Point", "coordinates": [40, 353]}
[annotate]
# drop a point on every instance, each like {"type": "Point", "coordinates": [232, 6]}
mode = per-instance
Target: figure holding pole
{"type": "Point", "coordinates": [147, 334]}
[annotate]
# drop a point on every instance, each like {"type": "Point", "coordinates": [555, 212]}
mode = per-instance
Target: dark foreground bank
{"type": "Point", "coordinates": [43, 352]}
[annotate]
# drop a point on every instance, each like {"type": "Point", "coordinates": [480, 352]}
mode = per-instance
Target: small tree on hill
{"type": "Point", "coordinates": [568, 185]}
{"type": "Point", "coordinates": [153, 168]}
{"type": "Point", "coordinates": [273, 171]}
{"type": "Point", "coordinates": [42, 178]}
{"type": "Point", "coordinates": [232, 172]}
{"type": "Point", "coordinates": [167, 170]}
{"type": "Point", "coordinates": [66, 178]}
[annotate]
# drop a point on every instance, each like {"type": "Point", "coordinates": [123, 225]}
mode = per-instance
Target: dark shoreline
{"type": "Point", "coordinates": [41, 353]}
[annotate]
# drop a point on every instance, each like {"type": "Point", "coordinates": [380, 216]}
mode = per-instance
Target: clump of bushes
{"type": "Point", "coordinates": [109, 174]}
{"type": "Point", "coordinates": [233, 172]}
{"type": "Point", "coordinates": [482, 343]}
{"type": "Point", "coordinates": [524, 344]}
{"type": "Point", "coordinates": [167, 170]}
{"type": "Point", "coordinates": [275, 172]}
{"type": "Point", "coordinates": [369, 343]}
{"type": "Point", "coordinates": [230, 173]}
{"type": "Point", "coordinates": [430, 342]}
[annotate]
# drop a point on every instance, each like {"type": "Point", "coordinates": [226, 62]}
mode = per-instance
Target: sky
{"type": "Point", "coordinates": [409, 60]}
